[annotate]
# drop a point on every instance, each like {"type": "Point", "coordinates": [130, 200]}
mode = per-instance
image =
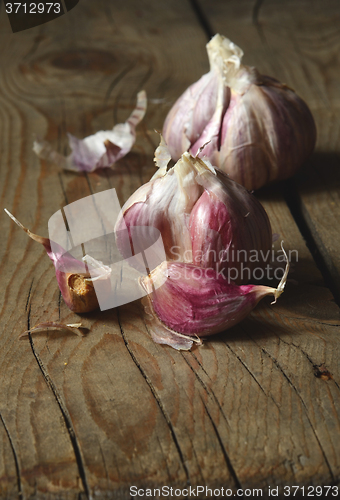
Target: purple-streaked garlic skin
{"type": "Point", "coordinates": [74, 281]}
{"type": "Point", "coordinates": [73, 276]}
{"type": "Point", "coordinates": [254, 158]}
{"type": "Point", "coordinates": [255, 128]}
{"type": "Point", "coordinates": [196, 301]}
{"type": "Point", "coordinates": [165, 203]}
{"type": "Point", "coordinates": [203, 216]}
{"type": "Point", "coordinates": [191, 113]}
{"type": "Point", "coordinates": [227, 224]}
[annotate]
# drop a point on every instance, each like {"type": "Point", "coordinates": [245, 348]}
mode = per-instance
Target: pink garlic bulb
{"type": "Point", "coordinates": [251, 126]}
{"type": "Point", "coordinates": [204, 218]}
{"type": "Point", "coordinates": [210, 225]}
{"type": "Point", "coordinates": [192, 302]}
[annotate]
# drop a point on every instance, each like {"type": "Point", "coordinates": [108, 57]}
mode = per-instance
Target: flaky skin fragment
{"type": "Point", "coordinates": [100, 150]}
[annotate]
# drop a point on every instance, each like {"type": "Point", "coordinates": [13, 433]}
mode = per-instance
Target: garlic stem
{"type": "Point", "coordinates": [35, 237]}
{"type": "Point", "coordinates": [280, 288]}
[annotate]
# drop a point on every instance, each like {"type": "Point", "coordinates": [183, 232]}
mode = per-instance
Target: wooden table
{"type": "Point", "coordinates": [255, 407]}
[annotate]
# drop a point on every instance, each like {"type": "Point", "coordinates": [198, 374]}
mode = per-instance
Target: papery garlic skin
{"type": "Point", "coordinates": [165, 202]}
{"type": "Point", "coordinates": [99, 150]}
{"type": "Point", "coordinates": [255, 128]}
{"type": "Point", "coordinates": [196, 301]}
{"type": "Point", "coordinates": [204, 217]}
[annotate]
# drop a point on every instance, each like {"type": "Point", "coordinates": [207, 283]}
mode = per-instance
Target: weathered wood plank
{"type": "Point", "coordinates": [51, 90]}
{"type": "Point", "coordinates": [98, 414]}
{"type": "Point", "coordinates": [299, 43]}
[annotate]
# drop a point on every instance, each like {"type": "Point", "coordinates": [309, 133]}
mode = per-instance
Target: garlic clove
{"type": "Point", "coordinates": [267, 133]}
{"type": "Point", "coordinates": [197, 302]}
{"type": "Point", "coordinates": [164, 203]}
{"type": "Point", "coordinates": [100, 150]}
{"type": "Point", "coordinates": [74, 278]}
{"type": "Point", "coordinates": [228, 225]}
{"type": "Point", "coordinates": [190, 115]}
{"type": "Point", "coordinates": [161, 334]}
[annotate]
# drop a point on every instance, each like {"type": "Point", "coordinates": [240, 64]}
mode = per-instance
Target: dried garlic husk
{"type": "Point", "coordinates": [204, 217]}
{"type": "Point", "coordinates": [100, 150]}
{"type": "Point", "coordinates": [52, 326]}
{"type": "Point", "coordinates": [74, 277]}
{"type": "Point", "coordinates": [252, 127]}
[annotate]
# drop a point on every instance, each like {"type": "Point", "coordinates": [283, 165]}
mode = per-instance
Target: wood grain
{"type": "Point", "coordinates": [298, 43]}
{"type": "Point", "coordinates": [256, 406]}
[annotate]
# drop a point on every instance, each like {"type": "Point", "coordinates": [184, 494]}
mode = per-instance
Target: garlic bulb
{"type": "Point", "coordinates": [210, 225]}
{"type": "Point", "coordinates": [204, 218]}
{"type": "Point", "coordinates": [251, 126]}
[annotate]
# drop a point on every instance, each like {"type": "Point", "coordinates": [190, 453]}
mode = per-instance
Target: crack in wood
{"type": "Point", "coordinates": [255, 20]}
{"type": "Point", "coordinates": [290, 382]}
{"type": "Point", "coordinates": [256, 12]}
{"type": "Point", "coordinates": [198, 361]}
{"type": "Point", "coordinates": [224, 451]}
{"type": "Point", "coordinates": [210, 392]}
{"type": "Point", "coordinates": [28, 301]}
{"type": "Point", "coordinates": [314, 365]}
{"type": "Point", "coordinates": [196, 458]}
{"type": "Point", "coordinates": [59, 304]}
{"type": "Point", "coordinates": [63, 126]}
{"type": "Point", "coordinates": [117, 79]}
{"type": "Point", "coordinates": [166, 463]}
{"type": "Point", "coordinates": [104, 462]}
{"type": "Point", "coordinates": [313, 241]}
{"type": "Point", "coordinates": [64, 412]}
{"type": "Point", "coordinates": [62, 187]}
{"type": "Point", "coordinates": [253, 376]}
{"type": "Point", "coordinates": [202, 18]}
{"type": "Point", "coordinates": [158, 400]}
{"type": "Point", "coordinates": [314, 321]}
{"type": "Point", "coordinates": [15, 456]}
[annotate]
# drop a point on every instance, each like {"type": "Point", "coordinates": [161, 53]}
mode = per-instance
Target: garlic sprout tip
{"type": "Point", "coordinates": [280, 288]}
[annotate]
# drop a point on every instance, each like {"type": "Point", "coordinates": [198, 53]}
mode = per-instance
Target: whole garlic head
{"type": "Point", "coordinates": [252, 127]}
{"type": "Point", "coordinates": [209, 225]}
